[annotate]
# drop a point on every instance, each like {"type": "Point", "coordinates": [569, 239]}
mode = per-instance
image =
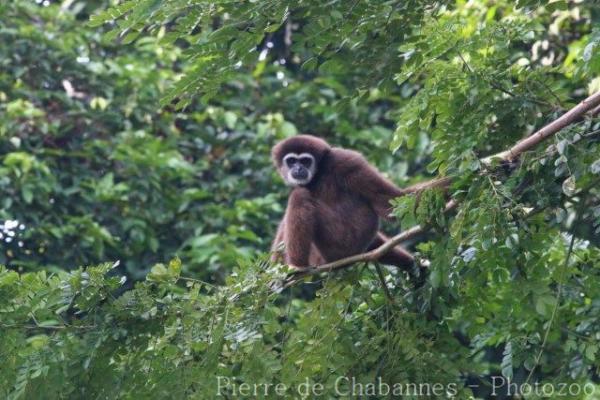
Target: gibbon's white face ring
{"type": "Point", "coordinates": [290, 180]}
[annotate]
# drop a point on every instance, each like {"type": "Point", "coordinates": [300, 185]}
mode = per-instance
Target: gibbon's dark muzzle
{"type": "Point", "coordinates": [299, 173]}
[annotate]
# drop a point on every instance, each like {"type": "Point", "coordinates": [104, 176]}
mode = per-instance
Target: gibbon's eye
{"type": "Point", "coordinates": [290, 161]}
{"type": "Point", "coordinates": [306, 161]}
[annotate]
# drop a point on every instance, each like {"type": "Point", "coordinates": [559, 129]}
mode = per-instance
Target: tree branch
{"type": "Point", "coordinates": [372, 255]}
{"type": "Point", "coordinates": [591, 103]}
{"type": "Point", "coordinates": [381, 277]}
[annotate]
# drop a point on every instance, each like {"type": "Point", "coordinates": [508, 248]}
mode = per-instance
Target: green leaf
{"type": "Point", "coordinates": [27, 194]}
{"type": "Point", "coordinates": [544, 305]}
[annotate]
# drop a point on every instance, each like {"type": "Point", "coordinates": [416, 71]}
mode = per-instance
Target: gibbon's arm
{"type": "Point", "coordinates": [276, 254]}
{"type": "Point", "coordinates": [299, 227]}
{"type": "Point", "coordinates": [366, 180]}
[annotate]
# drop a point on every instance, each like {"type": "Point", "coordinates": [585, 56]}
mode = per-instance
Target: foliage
{"type": "Point", "coordinates": [160, 340]}
{"type": "Point", "coordinates": [94, 169]}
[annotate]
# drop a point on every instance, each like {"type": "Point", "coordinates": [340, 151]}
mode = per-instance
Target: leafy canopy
{"type": "Point", "coordinates": [513, 286]}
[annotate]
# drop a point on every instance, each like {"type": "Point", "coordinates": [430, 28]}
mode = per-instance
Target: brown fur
{"type": "Point", "coordinates": [337, 213]}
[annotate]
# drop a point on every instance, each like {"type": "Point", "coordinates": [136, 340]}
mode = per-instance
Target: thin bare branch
{"type": "Point", "coordinates": [386, 290]}
{"type": "Point", "coordinates": [552, 128]}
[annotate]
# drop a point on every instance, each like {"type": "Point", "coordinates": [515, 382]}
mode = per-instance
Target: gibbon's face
{"type": "Point", "coordinates": [298, 169]}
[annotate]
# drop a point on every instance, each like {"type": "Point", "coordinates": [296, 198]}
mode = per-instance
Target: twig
{"type": "Point", "coordinates": [554, 310]}
{"type": "Point", "coordinates": [49, 327]}
{"type": "Point", "coordinates": [559, 291]}
{"type": "Point", "coordinates": [386, 290]}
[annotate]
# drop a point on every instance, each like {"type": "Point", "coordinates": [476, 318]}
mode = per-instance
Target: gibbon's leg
{"type": "Point", "coordinates": [278, 254]}
{"type": "Point", "coordinates": [397, 256]}
{"type": "Point", "coordinates": [299, 227]}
